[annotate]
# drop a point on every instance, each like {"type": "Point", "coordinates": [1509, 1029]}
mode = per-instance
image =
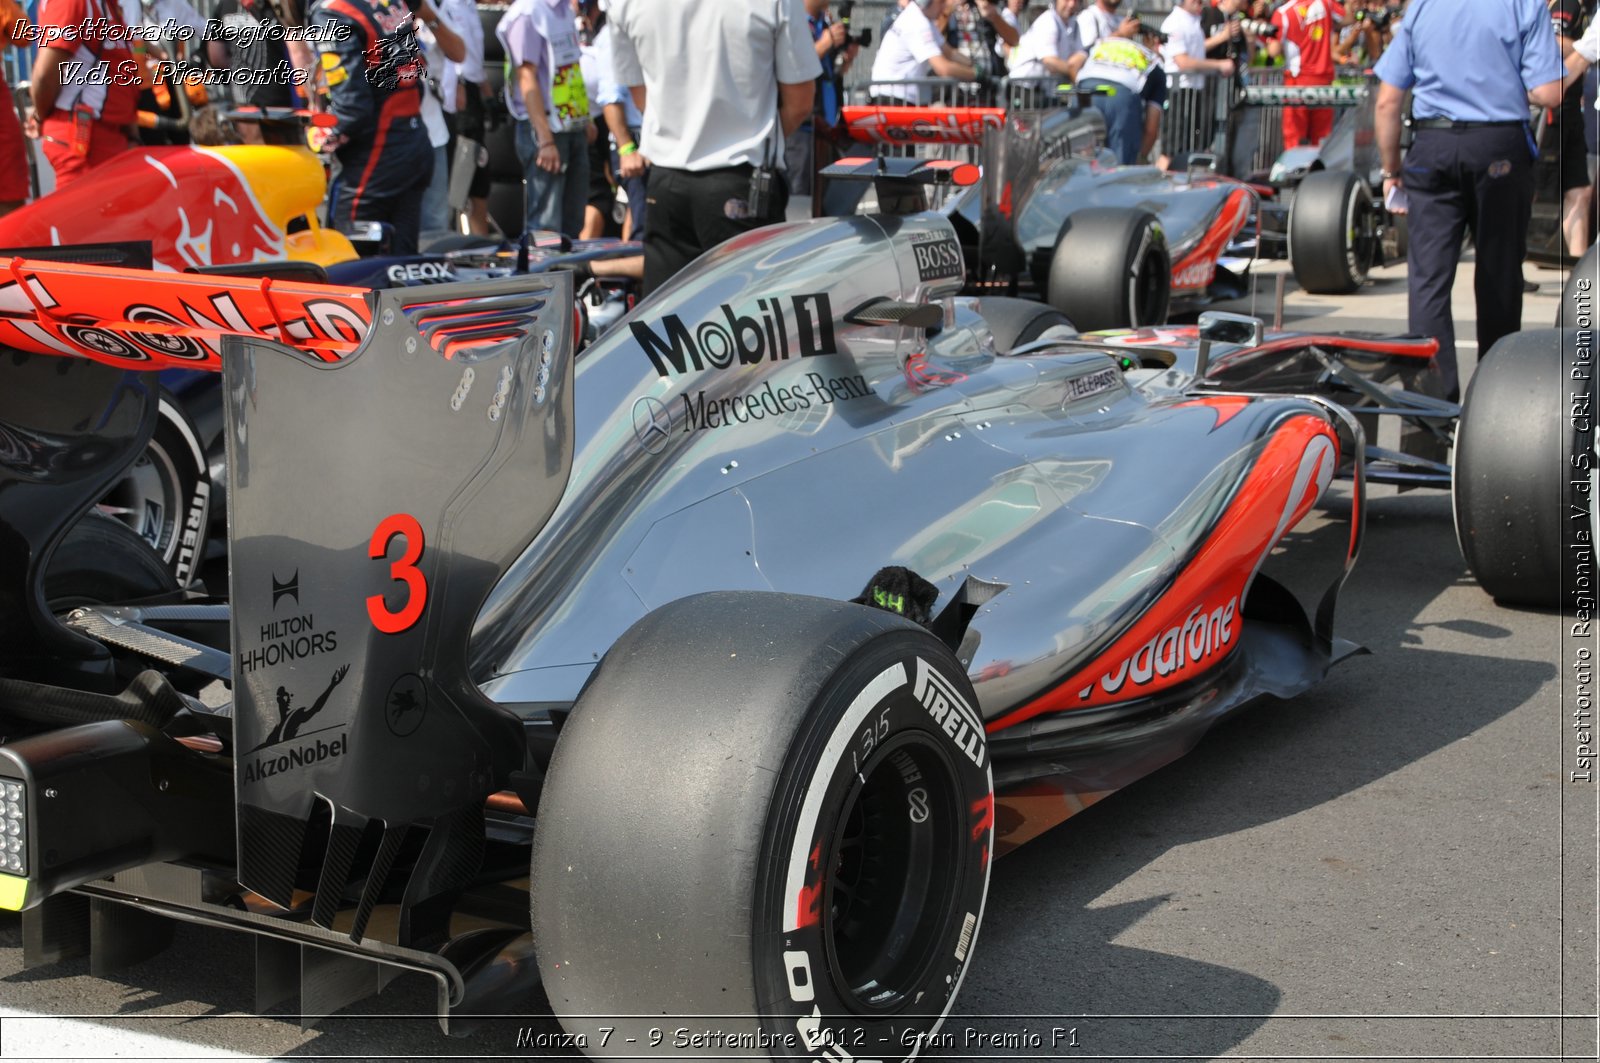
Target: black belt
{"type": "Point", "coordinates": [1451, 123]}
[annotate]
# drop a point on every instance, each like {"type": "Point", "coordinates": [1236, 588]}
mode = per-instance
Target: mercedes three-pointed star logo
{"type": "Point", "coordinates": [651, 424]}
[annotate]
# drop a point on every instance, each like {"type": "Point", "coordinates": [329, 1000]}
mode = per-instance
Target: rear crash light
{"type": "Point", "coordinates": [85, 802]}
{"type": "Point", "coordinates": [13, 844]}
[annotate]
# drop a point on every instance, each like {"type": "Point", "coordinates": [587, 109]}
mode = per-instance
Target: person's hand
{"type": "Point", "coordinates": [835, 34]}
{"type": "Point", "coordinates": [631, 165]}
{"type": "Point", "coordinates": [549, 158]}
{"type": "Point", "coordinates": [30, 124]}
{"type": "Point", "coordinates": [1390, 186]}
{"type": "Point", "coordinates": [591, 132]}
{"type": "Point", "coordinates": [1225, 67]}
{"type": "Point", "coordinates": [1130, 27]}
{"type": "Point", "coordinates": [986, 8]}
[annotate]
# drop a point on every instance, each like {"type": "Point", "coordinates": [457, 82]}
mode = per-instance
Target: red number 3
{"type": "Point", "coordinates": [404, 570]}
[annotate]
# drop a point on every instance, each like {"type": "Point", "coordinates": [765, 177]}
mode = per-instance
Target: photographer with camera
{"type": "Point", "coordinates": [975, 29]}
{"type": "Point", "coordinates": [836, 49]}
{"type": "Point", "coordinates": [1231, 33]}
{"type": "Point", "coordinates": [1361, 39]}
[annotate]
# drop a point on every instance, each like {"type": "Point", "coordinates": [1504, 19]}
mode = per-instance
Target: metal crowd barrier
{"type": "Point", "coordinates": [1014, 94]}
{"type": "Point", "coordinates": [1194, 119]}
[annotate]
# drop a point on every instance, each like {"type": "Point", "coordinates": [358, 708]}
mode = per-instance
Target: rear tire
{"type": "Point", "coordinates": [101, 562]}
{"type": "Point", "coordinates": [1111, 269]}
{"type": "Point", "coordinates": [1577, 309]}
{"type": "Point", "coordinates": [165, 495]}
{"type": "Point", "coordinates": [1014, 322]}
{"type": "Point", "coordinates": [1331, 222]}
{"type": "Point", "coordinates": [1517, 456]}
{"type": "Point", "coordinates": [756, 812]}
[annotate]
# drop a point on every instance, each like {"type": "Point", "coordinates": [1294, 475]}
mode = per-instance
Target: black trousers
{"type": "Point", "coordinates": [382, 179]}
{"type": "Point", "coordinates": [1477, 180]}
{"type": "Point", "coordinates": [691, 212]}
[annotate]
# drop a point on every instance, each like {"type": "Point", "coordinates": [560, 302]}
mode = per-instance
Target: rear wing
{"type": "Point", "coordinates": [911, 124]}
{"type": "Point", "coordinates": [389, 455]}
{"type": "Point", "coordinates": [140, 319]}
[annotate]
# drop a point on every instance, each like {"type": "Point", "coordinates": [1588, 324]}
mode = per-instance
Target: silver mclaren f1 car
{"type": "Point", "coordinates": [705, 673]}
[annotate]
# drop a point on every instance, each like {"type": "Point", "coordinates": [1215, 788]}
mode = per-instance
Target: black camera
{"type": "Point", "coordinates": [864, 38]}
{"type": "Point", "coordinates": [1258, 27]}
{"type": "Point", "coordinates": [1147, 30]}
{"type": "Point", "coordinates": [1379, 17]}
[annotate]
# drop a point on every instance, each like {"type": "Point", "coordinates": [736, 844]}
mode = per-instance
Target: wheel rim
{"type": "Point", "coordinates": [893, 876]}
{"type": "Point", "coordinates": [1362, 243]}
{"type": "Point", "coordinates": [145, 499]}
{"type": "Point", "coordinates": [1151, 275]}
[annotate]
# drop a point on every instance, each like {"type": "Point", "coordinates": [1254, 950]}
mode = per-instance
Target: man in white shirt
{"type": "Point", "coordinates": [547, 97]}
{"type": "Point", "coordinates": [463, 88]}
{"type": "Point", "coordinates": [721, 83]}
{"type": "Point", "coordinates": [440, 44]}
{"type": "Point", "coordinates": [913, 49]}
{"type": "Point", "coordinates": [1184, 53]}
{"type": "Point", "coordinates": [1101, 20]}
{"type": "Point", "coordinates": [1051, 46]}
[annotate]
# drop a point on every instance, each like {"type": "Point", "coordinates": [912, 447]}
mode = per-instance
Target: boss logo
{"type": "Point", "coordinates": [938, 259]}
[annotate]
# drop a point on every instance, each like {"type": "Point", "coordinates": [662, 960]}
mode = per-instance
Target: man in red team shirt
{"type": "Point", "coordinates": [84, 111]}
{"type": "Point", "coordinates": [1305, 31]}
{"type": "Point", "coordinates": [13, 154]}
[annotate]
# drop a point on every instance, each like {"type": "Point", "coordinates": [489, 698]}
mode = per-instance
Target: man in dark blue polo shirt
{"type": "Point", "coordinates": [1472, 67]}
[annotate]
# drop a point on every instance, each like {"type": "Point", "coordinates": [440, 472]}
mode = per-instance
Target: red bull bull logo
{"type": "Point", "coordinates": [196, 206]}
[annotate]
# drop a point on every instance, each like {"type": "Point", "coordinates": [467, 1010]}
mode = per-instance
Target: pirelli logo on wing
{"type": "Point", "coordinates": [800, 326]}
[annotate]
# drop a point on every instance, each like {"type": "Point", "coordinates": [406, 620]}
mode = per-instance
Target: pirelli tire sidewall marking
{"type": "Point", "coordinates": [914, 702]}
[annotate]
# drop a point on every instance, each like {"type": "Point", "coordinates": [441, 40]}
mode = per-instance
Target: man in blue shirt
{"type": "Point", "coordinates": [835, 52]}
{"type": "Point", "coordinates": [1472, 66]}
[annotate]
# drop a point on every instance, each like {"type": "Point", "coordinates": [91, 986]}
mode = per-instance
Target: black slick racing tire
{"type": "Point", "coordinates": [1524, 486]}
{"type": "Point", "coordinates": [1577, 309]}
{"type": "Point", "coordinates": [1331, 223]}
{"type": "Point", "coordinates": [102, 561]}
{"type": "Point", "coordinates": [1111, 269]}
{"type": "Point", "coordinates": [1015, 322]}
{"type": "Point", "coordinates": [165, 495]}
{"type": "Point", "coordinates": [766, 829]}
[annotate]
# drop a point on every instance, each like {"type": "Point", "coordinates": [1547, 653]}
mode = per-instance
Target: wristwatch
{"type": "Point", "coordinates": [1389, 175]}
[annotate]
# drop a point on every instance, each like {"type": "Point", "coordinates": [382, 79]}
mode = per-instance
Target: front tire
{"type": "Point", "coordinates": [771, 808]}
{"type": "Point", "coordinates": [1111, 269]}
{"type": "Point", "coordinates": [1331, 226]}
{"type": "Point", "coordinates": [1520, 459]}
